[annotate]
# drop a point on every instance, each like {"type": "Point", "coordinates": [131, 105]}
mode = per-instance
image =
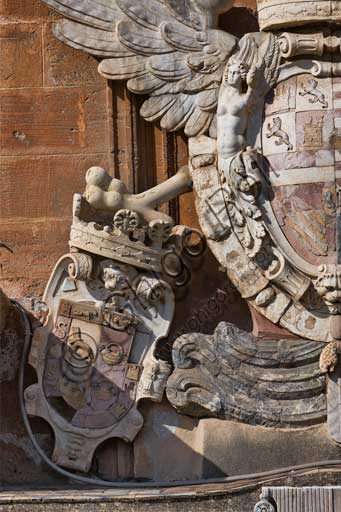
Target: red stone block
{"type": "Point", "coordinates": [65, 66]}
{"type": "Point", "coordinates": [70, 120]}
{"type": "Point", "coordinates": [13, 10]}
{"type": "Point", "coordinates": [43, 186]}
{"type": "Point", "coordinates": [36, 245]}
{"type": "Point", "coordinates": [20, 43]}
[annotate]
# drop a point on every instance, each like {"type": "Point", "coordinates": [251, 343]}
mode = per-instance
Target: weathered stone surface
{"type": "Point", "coordinates": [14, 10]}
{"type": "Point", "coordinates": [195, 110]}
{"type": "Point", "coordinates": [107, 306]}
{"type": "Point", "coordinates": [272, 267]}
{"type": "Point", "coordinates": [214, 497]}
{"type": "Point", "coordinates": [45, 192]}
{"type": "Point", "coordinates": [234, 375]}
{"type": "Point", "coordinates": [27, 272]}
{"type": "Point", "coordinates": [53, 121]}
{"type": "Point", "coordinates": [274, 15]}
{"type": "Point", "coordinates": [35, 213]}
{"type": "Point", "coordinates": [179, 435]}
{"type": "Point", "coordinates": [20, 463]}
{"type": "Point", "coordinates": [17, 43]}
{"type": "Point", "coordinates": [211, 448]}
{"type": "Point", "coordinates": [64, 66]}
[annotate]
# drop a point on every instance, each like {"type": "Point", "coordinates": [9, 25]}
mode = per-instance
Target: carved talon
{"type": "Point", "coordinates": [329, 357]}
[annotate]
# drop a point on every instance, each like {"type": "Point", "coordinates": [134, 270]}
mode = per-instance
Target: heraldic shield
{"type": "Point", "coordinates": [263, 118]}
{"type": "Point", "coordinates": [272, 213]}
{"type": "Point", "coordinates": [301, 140]}
{"type": "Point", "coordinates": [94, 353]}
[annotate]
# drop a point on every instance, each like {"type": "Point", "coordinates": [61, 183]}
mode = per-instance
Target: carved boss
{"type": "Point", "coordinates": [263, 117]}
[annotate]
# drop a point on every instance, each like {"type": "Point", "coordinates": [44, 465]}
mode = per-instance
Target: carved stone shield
{"type": "Point", "coordinates": [94, 355]}
{"type": "Point", "coordinates": [85, 341]}
{"type": "Point", "coordinates": [301, 141]}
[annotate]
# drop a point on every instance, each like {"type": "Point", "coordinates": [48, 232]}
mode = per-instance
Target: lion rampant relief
{"type": "Point", "coordinates": [315, 95]}
{"type": "Point", "coordinates": [276, 131]}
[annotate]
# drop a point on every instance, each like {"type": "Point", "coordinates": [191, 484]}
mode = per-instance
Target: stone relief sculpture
{"type": "Point", "coordinates": [262, 118]}
{"type": "Point", "coordinates": [108, 303]}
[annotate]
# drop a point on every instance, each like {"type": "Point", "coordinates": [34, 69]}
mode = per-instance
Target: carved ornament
{"type": "Point", "coordinates": [263, 119]}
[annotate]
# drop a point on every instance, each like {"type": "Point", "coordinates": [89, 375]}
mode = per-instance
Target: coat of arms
{"type": "Point", "coordinates": [263, 118]}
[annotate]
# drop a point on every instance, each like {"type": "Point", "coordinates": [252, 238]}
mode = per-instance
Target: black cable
{"type": "Point", "coordinates": [233, 483]}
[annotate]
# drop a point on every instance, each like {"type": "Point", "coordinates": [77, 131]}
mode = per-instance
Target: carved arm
{"type": "Point", "coordinates": [106, 193]}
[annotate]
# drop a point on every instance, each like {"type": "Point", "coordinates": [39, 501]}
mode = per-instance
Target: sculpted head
{"type": "Point", "coordinates": [236, 73]}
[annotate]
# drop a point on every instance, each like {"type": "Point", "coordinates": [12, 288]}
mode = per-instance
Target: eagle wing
{"type": "Point", "coordinates": [166, 49]}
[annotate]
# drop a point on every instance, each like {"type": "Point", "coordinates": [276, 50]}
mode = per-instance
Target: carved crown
{"type": "Point", "coordinates": [274, 14]}
{"type": "Point", "coordinates": [154, 246]}
{"type": "Point", "coordinates": [127, 238]}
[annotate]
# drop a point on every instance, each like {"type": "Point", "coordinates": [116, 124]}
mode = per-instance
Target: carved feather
{"type": "Point", "coordinates": [90, 40]}
{"type": "Point", "coordinates": [183, 12]}
{"type": "Point", "coordinates": [123, 68]}
{"type": "Point", "coordinates": [145, 84]}
{"type": "Point", "coordinates": [96, 13]}
{"type": "Point", "coordinates": [148, 13]}
{"type": "Point", "coordinates": [171, 87]}
{"type": "Point", "coordinates": [208, 100]}
{"type": "Point", "coordinates": [169, 67]}
{"type": "Point", "coordinates": [167, 49]}
{"type": "Point", "coordinates": [177, 116]}
{"type": "Point", "coordinates": [141, 40]}
{"type": "Point", "coordinates": [154, 108]}
{"type": "Point", "coordinates": [198, 123]}
{"type": "Point", "coordinates": [181, 37]}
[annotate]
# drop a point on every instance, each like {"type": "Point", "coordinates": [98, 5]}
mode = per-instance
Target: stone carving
{"type": "Point", "coordinates": [110, 194]}
{"type": "Point", "coordinates": [273, 15]}
{"type": "Point", "coordinates": [233, 375]}
{"type": "Point", "coordinates": [176, 56]}
{"type": "Point", "coordinates": [315, 95]}
{"type": "Point", "coordinates": [299, 499]}
{"type": "Point", "coordinates": [106, 307]}
{"type": "Point", "coordinates": [329, 359]}
{"type": "Point", "coordinates": [262, 115]}
{"type": "Point", "coordinates": [264, 505]}
{"type": "Point", "coordinates": [276, 131]}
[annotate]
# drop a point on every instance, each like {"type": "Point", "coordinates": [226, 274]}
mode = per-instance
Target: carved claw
{"type": "Point", "coordinates": [329, 357]}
